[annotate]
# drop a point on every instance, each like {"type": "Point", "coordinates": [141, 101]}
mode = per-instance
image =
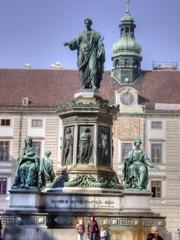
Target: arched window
{"type": "Point", "coordinates": [125, 62]}
{"type": "Point", "coordinates": [136, 64]}
{"type": "Point", "coordinates": [132, 31]}
{"type": "Point", "coordinates": [122, 31]}
{"type": "Point", "coordinates": [117, 63]}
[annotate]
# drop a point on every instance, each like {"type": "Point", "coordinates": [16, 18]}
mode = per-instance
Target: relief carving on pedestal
{"type": "Point", "coordinates": [68, 146]}
{"type": "Point", "coordinates": [85, 145]}
{"type": "Point", "coordinates": [104, 146]}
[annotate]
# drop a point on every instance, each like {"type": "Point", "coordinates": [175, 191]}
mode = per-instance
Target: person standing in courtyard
{"type": "Point", "coordinates": [103, 234]}
{"type": "Point", "coordinates": [80, 228]}
{"type": "Point", "coordinates": [93, 229]}
{"type": "Point", "coordinates": [154, 234]}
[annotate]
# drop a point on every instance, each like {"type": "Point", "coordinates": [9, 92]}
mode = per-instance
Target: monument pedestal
{"type": "Point", "coordinates": [126, 215]}
{"type": "Point", "coordinates": [87, 94]}
{"type": "Point", "coordinates": [24, 200]}
{"type": "Point", "coordinates": [136, 201]}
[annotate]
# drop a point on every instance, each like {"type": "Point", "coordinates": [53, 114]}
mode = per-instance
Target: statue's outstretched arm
{"type": "Point", "coordinates": [66, 44]}
{"type": "Point", "coordinates": [73, 44]}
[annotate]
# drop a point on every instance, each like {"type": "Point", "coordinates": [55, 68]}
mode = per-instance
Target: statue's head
{"type": "Point", "coordinates": [28, 141]}
{"type": "Point", "coordinates": [88, 22]}
{"type": "Point", "coordinates": [87, 130]}
{"type": "Point", "coordinates": [48, 153]}
{"type": "Point", "coordinates": [137, 142]}
{"type": "Point", "coordinates": [68, 130]}
{"type": "Point", "coordinates": [104, 130]}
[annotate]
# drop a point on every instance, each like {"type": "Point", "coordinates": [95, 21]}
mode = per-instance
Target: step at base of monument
{"type": "Point", "coordinates": [58, 226]}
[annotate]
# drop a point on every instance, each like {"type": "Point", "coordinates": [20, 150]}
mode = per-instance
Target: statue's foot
{"type": "Point", "coordinates": [140, 187]}
{"type": "Point", "coordinates": [22, 186]}
{"type": "Point", "coordinates": [26, 185]}
{"type": "Point", "coordinates": [94, 87]}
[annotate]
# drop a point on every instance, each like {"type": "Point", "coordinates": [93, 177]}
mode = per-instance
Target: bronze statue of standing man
{"type": "Point", "coordinates": [90, 56]}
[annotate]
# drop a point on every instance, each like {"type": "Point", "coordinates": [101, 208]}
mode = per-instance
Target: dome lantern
{"type": "Point", "coordinates": [126, 52]}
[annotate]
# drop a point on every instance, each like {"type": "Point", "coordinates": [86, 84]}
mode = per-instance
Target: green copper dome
{"type": "Point", "coordinates": [126, 45]}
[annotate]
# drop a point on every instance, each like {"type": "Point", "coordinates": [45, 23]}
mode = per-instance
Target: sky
{"type": "Point", "coordinates": [33, 31]}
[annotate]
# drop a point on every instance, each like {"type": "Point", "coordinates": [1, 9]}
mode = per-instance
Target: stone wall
{"type": "Point", "coordinates": [172, 213]}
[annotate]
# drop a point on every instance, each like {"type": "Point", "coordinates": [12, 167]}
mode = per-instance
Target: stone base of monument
{"type": "Point", "coordinates": [87, 94]}
{"type": "Point", "coordinates": [97, 201]}
{"type": "Point", "coordinates": [24, 200]}
{"type": "Point", "coordinates": [125, 214]}
{"type": "Point", "coordinates": [127, 232]}
{"type": "Point", "coordinates": [62, 227]}
{"type": "Point", "coordinates": [136, 201]}
{"type": "Point", "coordinates": [124, 228]}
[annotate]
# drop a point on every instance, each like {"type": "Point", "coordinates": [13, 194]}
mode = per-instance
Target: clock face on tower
{"type": "Point", "coordinates": [127, 98]}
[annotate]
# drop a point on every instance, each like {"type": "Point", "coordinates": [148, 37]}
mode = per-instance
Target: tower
{"type": "Point", "coordinates": [126, 52]}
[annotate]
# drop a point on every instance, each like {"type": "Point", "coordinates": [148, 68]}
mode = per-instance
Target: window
{"type": "Point", "coordinates": [156, 189]}
{"type": "Point", "coordinates": [5, 122]}
{"type": "Point", "coordinates": [127, 30]}
{"type": "Point", "coordinates": [125, 148]}
{"type": "Point", "coordinates": [132, 31]}
{"type": "Point", "coordinates": [37, 145]}
{"type": "Point", "coordinates": [3, 185]}
{"type": "Point", "coordinates": [125, 62]}
{"type": "Point", "coordinates": [25, 102]}
{"type": "Point", "coordinates": [156, 152]}
{"type": "Point", "coordinates": [36, 123]}
{"type": "Point", "coordinates": [136, 64]}
{"type": "Point", "coordinates": [4, 150]}
{"type": "Point", "coordinates": [122, 31]}
{"type": "Point", "coordinates": [117, 63]}
{"type": "Point", "coordinates": [156, 124]}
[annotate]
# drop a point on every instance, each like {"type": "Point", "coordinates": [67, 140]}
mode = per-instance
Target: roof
{"type": "Point", "coordinates": [45, 87]}
{"type": "Point", "coordinates": [48, 87]}
{"type": "Point", "coordinates": [159, 87]}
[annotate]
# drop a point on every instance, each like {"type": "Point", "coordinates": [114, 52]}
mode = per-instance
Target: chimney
{"type": "Point", "coordinates": [56, 65]}
{"type": "Point", "coordinates": [27, 66]}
